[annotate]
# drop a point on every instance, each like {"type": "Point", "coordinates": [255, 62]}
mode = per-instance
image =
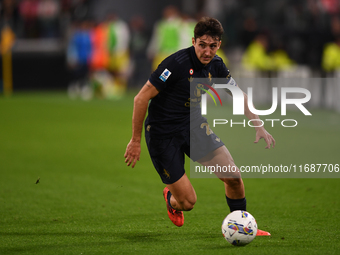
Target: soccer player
{"type": "Point", "coordinates": [168, 129]}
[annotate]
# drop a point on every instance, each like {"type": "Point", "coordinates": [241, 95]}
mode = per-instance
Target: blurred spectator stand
{"type": "Point", "coordinates": [119, 52]}
{"type": "Point", "coordinates": [166, 37]}
{"type": "Point", "coordinates": [140, 66]}
{"type": "Point", "coordinates": [48, 17]}
{"type": "Point", "coordinates": [7, 41]}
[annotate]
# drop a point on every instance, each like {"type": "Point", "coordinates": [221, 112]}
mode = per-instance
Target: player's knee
{"type": "Point", "coordinates": [188, 204]}
{"type": "Point", "coordinates": [233, 182]}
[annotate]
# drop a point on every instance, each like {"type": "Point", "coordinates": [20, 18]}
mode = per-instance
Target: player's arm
{"type": "Point", "coordinates": [140, 105]}
{"type": "Point", "coordinates": [261, 132]}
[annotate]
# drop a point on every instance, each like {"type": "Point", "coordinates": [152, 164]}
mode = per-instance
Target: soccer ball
{"type": "Point", "coordinates": [239, 228]}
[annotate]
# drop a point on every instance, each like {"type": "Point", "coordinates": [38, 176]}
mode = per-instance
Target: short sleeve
{"type": "Point", "coordinates": [165, 74]}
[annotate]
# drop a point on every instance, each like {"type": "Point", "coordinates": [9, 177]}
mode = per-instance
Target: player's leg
{"type": "Point", "coordinates": [179, 196]}
{"type": "Point", "coordinates": [183, 196]}
{"type": "Point", "coordinates": [234, 187]}
{"type": "Point", "coordinates": [208, 150]}
{"type": "Point", "coordinates": [168, 159]}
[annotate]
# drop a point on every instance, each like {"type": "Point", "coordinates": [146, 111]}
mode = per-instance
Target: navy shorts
{"type": "Point", "coordinates": [167, 155]}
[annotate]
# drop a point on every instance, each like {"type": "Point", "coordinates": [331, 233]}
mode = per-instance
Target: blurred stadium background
{"type": "Point", "coordinates": [103, 48]}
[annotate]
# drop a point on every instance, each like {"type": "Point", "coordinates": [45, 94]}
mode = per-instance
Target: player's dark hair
{"type": "Point", "coordinates": [209, 26]}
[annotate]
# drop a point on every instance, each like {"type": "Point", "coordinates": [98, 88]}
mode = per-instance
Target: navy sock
{"type": "Point", "coordinates": [237, 204]}
{"type": "Point", "coordinates": [168, 197]}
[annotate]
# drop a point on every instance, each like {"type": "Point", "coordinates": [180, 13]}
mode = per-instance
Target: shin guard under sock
{"type": "Point", "coordinates": [237, 204]}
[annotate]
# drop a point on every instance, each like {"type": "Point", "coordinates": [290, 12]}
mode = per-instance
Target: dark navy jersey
{"type": "Point", "coordinates": [169, 112]}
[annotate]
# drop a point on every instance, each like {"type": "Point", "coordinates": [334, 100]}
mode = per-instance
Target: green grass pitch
{"type": "Point", "coordinates": [88, 202]}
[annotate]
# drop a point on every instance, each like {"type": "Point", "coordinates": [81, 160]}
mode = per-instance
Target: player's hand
{"type": "Point", "coordinates": [132, 153]}
{"type": "Point", "coordinates": [262, 133]}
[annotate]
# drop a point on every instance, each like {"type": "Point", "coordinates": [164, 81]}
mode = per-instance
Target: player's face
{"type": "Point", "coordinates": [205, 48]}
